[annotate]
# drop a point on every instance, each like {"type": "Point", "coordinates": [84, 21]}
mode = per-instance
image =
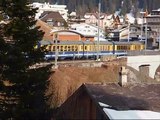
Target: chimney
{"type": "Point", "coordinates": [123, 76]}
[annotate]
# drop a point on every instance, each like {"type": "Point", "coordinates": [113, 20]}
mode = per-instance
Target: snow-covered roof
{"type": "Point", "coordinates": [109, 16]}
{"type": "Point", "coordinates": [131, 114]}
{"type": "Point", "coordinates": [130, 18]}
{"type": "Point", "coordinates": [117, 13]}
{"type": "Point", "coordinates": [128, 114]}
{"type": "Point", "coordinates": [73, 14]}
{"type": "Point", "coordinates": [3, 22]}
{"type": "Point", "coordinates": [101, 38]}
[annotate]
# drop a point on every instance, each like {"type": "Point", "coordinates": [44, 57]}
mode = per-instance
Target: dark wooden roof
{"type": "Point", "coordinates": [131, 97]}
{"type": "Point", "coordinates": [55, 16]}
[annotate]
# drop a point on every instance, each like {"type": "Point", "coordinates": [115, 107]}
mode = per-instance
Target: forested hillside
{"type": "Point", "coordinates": [82, 6]}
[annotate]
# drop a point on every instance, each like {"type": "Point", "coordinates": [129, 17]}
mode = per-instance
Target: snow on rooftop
{"type": "Point", "coordinates": [131, 114]}
{"type": "Point", "coordinates": [117, 13]}
{"type": "Point", "coordinates": [101, 38]}
{"type": "Point", "coordinates": [87, 16]}
{"type": "Point", "coordinates": [109, 16]}
{"type": "Point", "coordinates": [140, 20]}
{"type": "Point", "coordinates": [131, 18]}
{"type": "Point", "coordinates": [73, 14]}
{"type": "Point", "coordinates": [103, 105]}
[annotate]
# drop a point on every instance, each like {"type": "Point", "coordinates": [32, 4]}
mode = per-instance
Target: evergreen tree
{"type": "Point", "coordinates": [22, 87]}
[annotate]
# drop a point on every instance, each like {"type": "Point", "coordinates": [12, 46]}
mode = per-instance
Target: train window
{"type": "Point", "coordinates": [72, 48]}
{"type": "Point", "coordinates": [65, 48]}
{"type": "Point", "coordinates": [118, 47]}
{"type": "Point", "coordinates": [53, 48]}
{"type": "Point", "coordinates": [85, 47]}
{"type": "Point", "coordinates": [57, 47]}
{"type": "Point", "coordinates": [49, 47]}
{"type": "Point", "coordinates": [106, 47]}
{"type": "Point", "coordinates": [137, 47]}
{"type": "Point", "coordinates": [100, 48]}
{"type": "Point", "coordinates": [81, 47]}
{"type": "Point", "coordinates": [61, 48]}
{"type": "Point", "coordinates": [76, 48]}
{"type": "Point", "coordinates": [69, 48]}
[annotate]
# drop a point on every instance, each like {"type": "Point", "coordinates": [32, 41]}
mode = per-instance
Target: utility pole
{"type": "Point", "coordinates": [146, 28]}
{"type": "Point", "coordinates": [142, 15]}
{"type": "Point", "coordinates": [128, 32]}
{"type": "Point", "coordinates": [159, 39]}
{"type": "Point", "coordinates": [56, 51]}
{"type": "Point", "coordinates": [99, 10]}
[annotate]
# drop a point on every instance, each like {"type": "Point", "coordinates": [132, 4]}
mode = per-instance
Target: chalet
{"type": "Point", "coordinates": [50, 7]}
{"type": "Point", "coordinates": [92, 18]}
{"type": "Point", "coordinates": [153, 20]}
{"type": "Point", "coordinates": [87, 29]}
{"type": "Point", "coordinates": [130, 32]}
{"type": "Point", "coordinates": [121, 100]}
{"type": "Point", "coordinates": [129, 18]}
{"type": "Point", "coordinates": [53, 19]}
{"type": "Point", "coordinates": [109, 21]}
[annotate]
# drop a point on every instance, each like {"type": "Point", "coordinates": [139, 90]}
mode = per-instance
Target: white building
{"type": "Point", "coordinates": [48, 7]}
{"type": "Point", "coordinates": [89, 30]}
{"type": "Point", "coordinates": [130, 18]}
{"type": "Point", "coordinates": [153, 20]}
{"type": "Point", "coordinates": [130, 32]}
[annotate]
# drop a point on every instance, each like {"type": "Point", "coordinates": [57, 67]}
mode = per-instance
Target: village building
{"type": "Point", "coordinates": [153, 21]}
{"type": "Point", "coordinates": [53, 19]}
{"type": "Point", "coordinates": [130, 33]}
{"type": "Point", "coordinates": [70, 35]}
{"type": "Point", "coordinates": [106, 21]}
{"type": "Point", "coordinates": [74, 19]}
{"type": "Point", "coordinates": [88, 29]}
{"type": "Point", "coordinates": [62, 9]}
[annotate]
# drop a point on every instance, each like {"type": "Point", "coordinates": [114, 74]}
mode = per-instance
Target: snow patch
{"type": "Point", "coordinates": [131, 114]}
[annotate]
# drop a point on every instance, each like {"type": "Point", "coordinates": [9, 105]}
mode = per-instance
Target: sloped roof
{"type": "Point", "coordinates": [132, 97]}
{"type": "Point", "coordinates": [74, 31]}
{"type": "Point", "coordinates": [46, 29]}
{"type": "Point", "coordinates": [87, 15]}
{"type": "Point", "coordinates": [55, 16]}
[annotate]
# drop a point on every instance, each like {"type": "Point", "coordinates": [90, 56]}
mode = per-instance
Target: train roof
{"type": "Point", "coordinates": [49, 42]}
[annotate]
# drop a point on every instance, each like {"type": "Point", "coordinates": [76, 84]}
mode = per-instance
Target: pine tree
{"type": "Point", "coordinates": [22, 87]}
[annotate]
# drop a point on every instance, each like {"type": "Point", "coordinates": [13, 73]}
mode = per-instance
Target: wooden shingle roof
{"type": "Point", "coordinates": [55, 16]}
{"type": "Point", "coordinates": [132, 97]}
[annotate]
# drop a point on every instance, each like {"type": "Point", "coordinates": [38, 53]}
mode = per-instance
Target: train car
{"type": "Point", "coordinates": [88, 49]}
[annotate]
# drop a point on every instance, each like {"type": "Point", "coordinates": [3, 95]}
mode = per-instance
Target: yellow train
{"type": "Point", "coordinates": [78, 49]}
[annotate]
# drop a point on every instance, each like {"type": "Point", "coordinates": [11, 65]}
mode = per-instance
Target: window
{"type": "Point", "coordinates": [85, 47]}
{"type": "Point", "coordinates": [69, 48]}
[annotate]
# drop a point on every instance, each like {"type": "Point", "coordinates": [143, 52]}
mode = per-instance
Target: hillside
{"type": "Point", "coordinates": [65, 80]}
{"type": "Point", "coordinates": [82, 6]}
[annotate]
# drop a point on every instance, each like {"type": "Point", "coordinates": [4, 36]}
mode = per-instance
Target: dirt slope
{"type": "Point", "coordinates": [65, 80]}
